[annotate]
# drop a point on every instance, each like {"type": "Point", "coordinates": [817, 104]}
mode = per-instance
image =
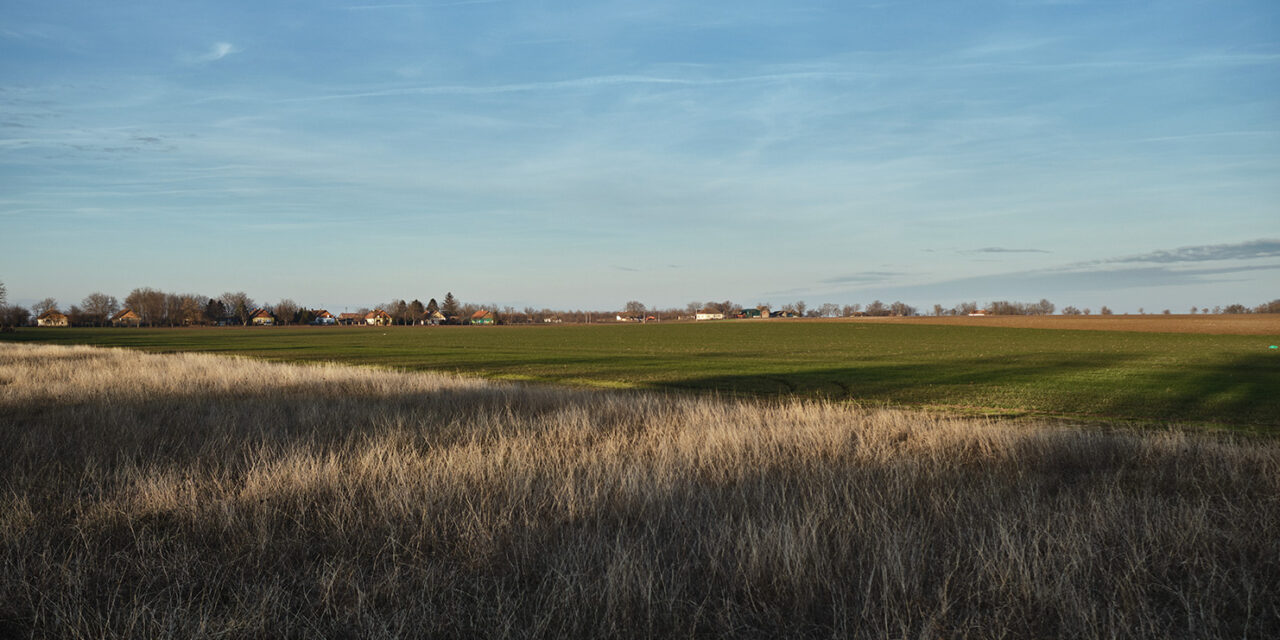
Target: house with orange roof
{"type": "Point", "coordinates": [483, 316]}
{"type": "Point", "coordinates": [261, 317]}
{"type": "Point", "coordinates": [378, 318]}
{"type": "Point", "coordinates": [126, 318]}
{"type": "Point", "coordinates": [53, 318]}
{"type": "Point", "coordinates": [322, 316]}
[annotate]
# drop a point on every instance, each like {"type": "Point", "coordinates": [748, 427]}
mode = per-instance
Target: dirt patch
{"type": "Point", "coordinates": [1243, 324]}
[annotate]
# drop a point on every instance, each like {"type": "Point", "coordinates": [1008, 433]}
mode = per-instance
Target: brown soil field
{"type": "Point", "coordinates": [1243, 324]}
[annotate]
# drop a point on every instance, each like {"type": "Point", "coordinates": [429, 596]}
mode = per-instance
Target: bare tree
{"type": "Point", "coordinates": [99, 307]}
{"type": "Point", "coordinates": [286, 310]}
{"type": "Point", "coordinates": [44, 306]}
{"type": "Point", "coordinates": [800, 306]}
{"type": "Point", "coordinates": [398, 310]}
{"type": "Point", "coordinates": [239, 305]}
{"type": "Point", "coordinates": [900, 308]}
{"type": "Point", "coordinates": [148, 304]}
{"type": "Point", "coordinates": [192, 308]}
{"type": "Point", "coordinates": [851, 309]}
{"type": "Point", "coordinates": [4, 295]}
{"type": "Point", "coordinates": [14, 316]}
{"type": "Point", "coordinates": [634, 309]}
{"type": "Point", "coordinates": [693, 308]}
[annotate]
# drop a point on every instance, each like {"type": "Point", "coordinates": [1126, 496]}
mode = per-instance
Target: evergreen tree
{"type": "Point", "coordinates": [399, 312]}
{"type": "Point", "coordinates": [432, 306]}
{"type": "Point", "coordinates": [450, 306]}
{"type": "Point", "coordinates": [416, 311]}
{"type": "Point", "coordinates": [215, 311]}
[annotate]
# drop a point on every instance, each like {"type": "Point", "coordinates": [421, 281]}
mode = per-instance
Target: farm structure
{"type": "Point", "coordinates": [52, 319]}
{"type": "Point", "coordinates": [126, 318]}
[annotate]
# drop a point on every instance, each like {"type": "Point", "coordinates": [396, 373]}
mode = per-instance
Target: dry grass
{"type": "Point", "coordinates": [199, 496]}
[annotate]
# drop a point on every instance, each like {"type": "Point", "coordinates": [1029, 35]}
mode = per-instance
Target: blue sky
{"type": "Point", "coordinates": [582, 154]}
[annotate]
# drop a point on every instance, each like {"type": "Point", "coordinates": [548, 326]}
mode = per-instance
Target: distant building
{"type": "Point", "coordinates": [378, 318]}
{"type": "Point", "coordinates": [323, 317]}
{"type": "Point", "coordinates": [261, 317]}
{"type": "Point", "coordinates": [709, 314]}
{"type": "Point", "coordinates": [126, 318]}
{"type": "Point", "coordinates": [483, 316]}
{"type": "Point", "coordinates": [433, 318]}
{"type": "Point", "coordinates": [754, 313]}
{"type": "Point", "coordinates": [52, 318]}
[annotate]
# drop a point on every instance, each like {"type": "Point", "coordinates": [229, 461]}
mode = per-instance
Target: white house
{"type": "Point", "coordinates": [322, 316]}
{"type": "Point", "coordinates": [709, 314]}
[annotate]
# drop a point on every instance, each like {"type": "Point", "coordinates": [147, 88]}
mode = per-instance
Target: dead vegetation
{"type": "Point", "coordinates": [200, 496]}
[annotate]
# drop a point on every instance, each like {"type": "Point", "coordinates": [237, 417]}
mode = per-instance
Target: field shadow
{"type": "Point", "coordinates": [1238, 392]}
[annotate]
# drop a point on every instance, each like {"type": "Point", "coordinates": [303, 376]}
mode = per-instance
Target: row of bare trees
{"type": "Point", "coordinates": [158, 308]}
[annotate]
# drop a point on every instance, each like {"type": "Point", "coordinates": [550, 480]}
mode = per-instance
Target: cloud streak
{"type": "Point", "coordinates": [589, 82]}
{"type": "Point", "coordinates": [864, 277]}
{"type": "Point", "coordinates": [218, 51]}
{"type": "Point", "coordinates": [1005, 250]}
{"type": "Point", "coordinates": [1253, 250]}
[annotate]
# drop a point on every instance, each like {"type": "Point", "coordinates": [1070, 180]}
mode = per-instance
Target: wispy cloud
{"type": "Point", "coordinates": [416, 5]}
{"type": "Point", "coordinates": [218, 51]}
{"type": "Point", "coordinates": [1004, 250]}
{"type": "Point", "coordinates": [864, 277]}
{"type": "Point", "coordinates": [574, 83]}
{"type": "Point", "coordinates": [1264, 248]}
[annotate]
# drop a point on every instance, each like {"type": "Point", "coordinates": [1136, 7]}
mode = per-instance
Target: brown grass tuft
{"type": "Point", "coordinates": [200, 496]}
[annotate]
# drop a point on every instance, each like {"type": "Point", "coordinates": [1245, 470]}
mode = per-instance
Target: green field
{"type": "Point", "coordinates": [1226, 380]}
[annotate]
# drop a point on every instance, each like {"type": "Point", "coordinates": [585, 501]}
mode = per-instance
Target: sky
{"type": "Point", "coordinates": [584, 154]}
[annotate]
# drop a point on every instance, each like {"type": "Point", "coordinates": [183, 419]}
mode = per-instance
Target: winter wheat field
{"type": "Point", "coordinates": [195, 495]}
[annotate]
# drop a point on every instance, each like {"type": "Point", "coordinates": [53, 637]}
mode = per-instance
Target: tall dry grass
{"type": "Point", "coordinates": [200, 496]}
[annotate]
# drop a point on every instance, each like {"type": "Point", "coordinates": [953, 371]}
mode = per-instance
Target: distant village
{"type": "Point", "coordinates": [153, 308]}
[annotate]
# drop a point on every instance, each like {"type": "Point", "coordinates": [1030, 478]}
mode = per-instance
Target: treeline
{"type": "Point", "coordinates": [801, 309]}
{"type": "Point", "coordinates": [160, 309]}
{"type": "Point", "coordinates": [156, 308]}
